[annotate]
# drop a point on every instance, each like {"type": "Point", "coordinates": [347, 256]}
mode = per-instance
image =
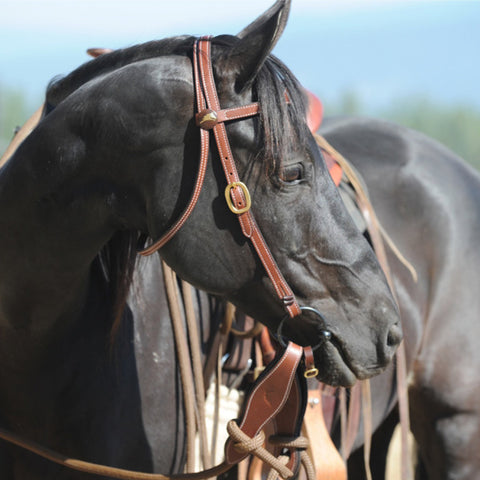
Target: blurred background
{"type": "Point", "coordinates": [415, 62]}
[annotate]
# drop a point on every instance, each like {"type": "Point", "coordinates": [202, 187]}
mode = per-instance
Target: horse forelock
{"type": "Point", "coordinates": [283, 121]}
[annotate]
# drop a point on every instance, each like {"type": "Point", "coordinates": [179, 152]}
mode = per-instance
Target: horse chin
{"type": "Point", "coordinates": [333, 368]}
{"type": "Point", "coordinates": [337, 369]}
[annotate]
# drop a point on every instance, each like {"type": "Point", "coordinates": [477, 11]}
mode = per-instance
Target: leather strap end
{"type": "Point", "coordinates": [310, 370]}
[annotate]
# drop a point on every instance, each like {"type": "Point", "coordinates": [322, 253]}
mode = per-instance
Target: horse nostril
{"type": "Point", "coordinates": [394, 336]}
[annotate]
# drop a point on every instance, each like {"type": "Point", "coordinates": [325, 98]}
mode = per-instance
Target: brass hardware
{"type": "Point", "coordinates": [257, 371]}
{"type": "Point", "coordinates": [230, 204]}
{"type": "Point", "coordinates": [311, 373]}
{"type": "Point", "coordinates": [207, 119]}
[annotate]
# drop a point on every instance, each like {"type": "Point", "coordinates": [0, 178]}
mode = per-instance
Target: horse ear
{"type": "Point", "coordinates": [256, 42]}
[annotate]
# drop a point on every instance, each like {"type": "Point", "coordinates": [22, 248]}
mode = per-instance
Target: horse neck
{"type": "Point", "coordinates": [55, 229]}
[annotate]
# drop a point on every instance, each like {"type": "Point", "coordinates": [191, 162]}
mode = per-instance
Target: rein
{"type": "Point", "coordinates": [211, 116]}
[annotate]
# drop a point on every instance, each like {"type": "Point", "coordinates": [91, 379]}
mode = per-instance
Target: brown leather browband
{"type": "Point", "coordinates": [211, 116]}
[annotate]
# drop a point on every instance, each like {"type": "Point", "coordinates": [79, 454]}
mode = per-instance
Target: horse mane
{"type": "Point", "coordinates": [279, 130]}
{"type": "Point", "coordinates": [60, 88]}
{"type": "Point", "coordinates": [282, 121]}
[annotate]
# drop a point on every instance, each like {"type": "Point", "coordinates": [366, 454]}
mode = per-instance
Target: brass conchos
{"type": "Point", "coordinates": [207, 119]}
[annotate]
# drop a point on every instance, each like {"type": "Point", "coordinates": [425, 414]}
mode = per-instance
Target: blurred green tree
{"type": "Point", "coordinates": [14, 111]}
{"type": "Point", "coordinates": [455, 126]}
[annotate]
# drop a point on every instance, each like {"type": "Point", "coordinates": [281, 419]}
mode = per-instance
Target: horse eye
{"type": "Point", "coordinates": [292, 173]}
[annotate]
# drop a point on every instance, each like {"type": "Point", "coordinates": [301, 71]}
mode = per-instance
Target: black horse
{"type": "Point", "coordinates": [112, 162]}
{"type": "Point", "coordinates": [428, 200]}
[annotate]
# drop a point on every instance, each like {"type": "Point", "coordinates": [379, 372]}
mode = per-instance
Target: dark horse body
{"type": "Point", "coordinates": [113, 160]}
{"type": "Point", "coordinates": [428, 200]}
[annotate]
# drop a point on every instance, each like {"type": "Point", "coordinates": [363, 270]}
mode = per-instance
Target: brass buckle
{"type": "Point", "coordinates": [311, 373]}
{"type": "Point", "coordinates": [246, 193]}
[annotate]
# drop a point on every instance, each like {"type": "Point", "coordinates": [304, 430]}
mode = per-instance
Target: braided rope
{"type": "Point", "coordinates": [273, 474]}
{"type": "Point", "coordinates": [254, 446]}
{"type": "Point", "coordinates": [300, 443]}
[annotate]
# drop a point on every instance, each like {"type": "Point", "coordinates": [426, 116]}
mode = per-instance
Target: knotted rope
{"type": "Point", "coordinates": [300, 443]}
{"type": "Point", "coordinates": [254, 446]}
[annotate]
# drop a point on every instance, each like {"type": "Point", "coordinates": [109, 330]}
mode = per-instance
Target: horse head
{"type": "Point", "coordinates": [131, 122]}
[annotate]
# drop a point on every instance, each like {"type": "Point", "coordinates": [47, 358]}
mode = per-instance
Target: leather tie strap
{"type": "Point", "coordinates": [211, 116]}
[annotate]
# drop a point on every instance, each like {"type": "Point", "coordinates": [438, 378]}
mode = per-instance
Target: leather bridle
{"type": "Point", "coordinates": [279, 393]}
{"type": "Point", "coordinates": [211, 116]}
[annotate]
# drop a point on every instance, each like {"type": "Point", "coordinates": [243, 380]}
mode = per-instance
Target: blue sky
{"type": "Point", "coordinates": [382, 49]}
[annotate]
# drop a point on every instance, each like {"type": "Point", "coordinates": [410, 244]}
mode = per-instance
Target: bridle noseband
{"type": "Point", "coordinates": [211, 116]}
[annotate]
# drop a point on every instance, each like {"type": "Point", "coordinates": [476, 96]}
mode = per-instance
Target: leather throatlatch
{"type": "Point", "coordinates": [212, 117]}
